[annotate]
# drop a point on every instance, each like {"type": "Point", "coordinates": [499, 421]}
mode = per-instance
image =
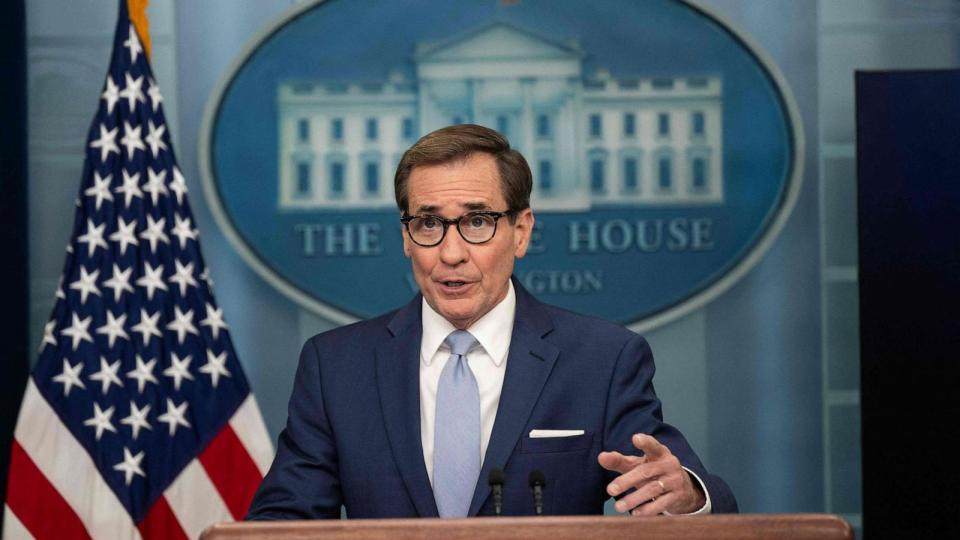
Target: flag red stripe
{"type": "Point", "coordinates": [36, 503]}
{"type": "Point", "coordinates": [232, 471]}
{"type": "Point", "coordinates": [161, 523]}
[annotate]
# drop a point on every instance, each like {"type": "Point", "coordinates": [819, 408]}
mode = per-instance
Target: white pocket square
{"type": "Point", "coordinates": [548, 433]}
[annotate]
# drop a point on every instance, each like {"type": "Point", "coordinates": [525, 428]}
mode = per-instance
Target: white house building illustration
{"type": "Point", "coordinates": [590, 141]}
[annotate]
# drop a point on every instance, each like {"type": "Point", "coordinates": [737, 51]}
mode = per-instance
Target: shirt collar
{"type": "Point", "coordinates": [493, 331]}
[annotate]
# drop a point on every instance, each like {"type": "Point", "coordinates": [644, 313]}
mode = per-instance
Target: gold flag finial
{"type": "Point", "coordinates": [138, 16]}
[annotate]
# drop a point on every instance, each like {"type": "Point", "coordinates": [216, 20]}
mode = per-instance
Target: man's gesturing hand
{"type": "Point", "coordinates": [662, 485]}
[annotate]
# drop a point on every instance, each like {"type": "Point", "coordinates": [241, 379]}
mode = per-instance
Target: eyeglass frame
{"type": "Point", "coordinates": [456, 221]}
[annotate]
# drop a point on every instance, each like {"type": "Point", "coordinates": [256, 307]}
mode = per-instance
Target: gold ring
{"type": "Point", "coordinates": [663, 488]}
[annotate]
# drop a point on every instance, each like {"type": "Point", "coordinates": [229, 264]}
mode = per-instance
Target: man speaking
{"type": "Point", "coordinates": [407, 414]}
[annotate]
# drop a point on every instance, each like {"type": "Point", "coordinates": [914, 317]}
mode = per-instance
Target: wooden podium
{"type": "Point", "coordinates": [755, 526]}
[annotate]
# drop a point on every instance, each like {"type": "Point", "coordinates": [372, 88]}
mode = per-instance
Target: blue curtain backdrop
{"type": "Point", "coordinates": [740, 377]}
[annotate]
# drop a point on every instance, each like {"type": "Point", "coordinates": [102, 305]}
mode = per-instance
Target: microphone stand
{"type": "Point", "coordinates": [537, 482]}
{"type": "Point", "coordinates": [496, 480]}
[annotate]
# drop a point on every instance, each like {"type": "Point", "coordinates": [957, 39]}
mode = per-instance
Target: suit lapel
{"type": "Point", "coordinates": [529, 364]}
{"type": "Point", "coordinates": [398, 381]}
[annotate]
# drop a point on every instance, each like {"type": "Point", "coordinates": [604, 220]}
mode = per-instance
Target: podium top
{"type": "Point", "coordinates": [720, 527]}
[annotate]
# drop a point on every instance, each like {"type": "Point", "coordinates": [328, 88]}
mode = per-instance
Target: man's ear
{"type": "Point", "coordinates": [522, 231]}
{"type": "Point", "coordinates": [406, 240]}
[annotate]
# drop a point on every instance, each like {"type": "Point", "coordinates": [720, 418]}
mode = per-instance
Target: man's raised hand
{"type": "Point", "coordinates": [661, 484]}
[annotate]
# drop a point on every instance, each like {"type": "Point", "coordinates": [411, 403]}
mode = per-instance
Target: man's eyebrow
{"type": "Point", "coordinates": [427, 209]}
{"type": "Point", "coordinates": [469, 206]}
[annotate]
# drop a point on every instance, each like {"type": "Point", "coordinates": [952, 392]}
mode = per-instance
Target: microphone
{"type": "Point", "coordinates": [537, 482]}
{"type": "Point", "coordinates": [496, 480]}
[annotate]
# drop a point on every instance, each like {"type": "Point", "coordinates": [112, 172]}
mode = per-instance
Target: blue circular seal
{"type": "Point", "coordinates": [666, 148]}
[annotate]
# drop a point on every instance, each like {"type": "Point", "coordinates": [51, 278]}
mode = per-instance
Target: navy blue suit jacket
{"type": "Point", "coordinates": [353, 431]}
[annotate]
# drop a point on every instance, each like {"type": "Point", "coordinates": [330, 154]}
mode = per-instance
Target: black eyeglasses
{"type": "Point", "coordinates": [474, 227]}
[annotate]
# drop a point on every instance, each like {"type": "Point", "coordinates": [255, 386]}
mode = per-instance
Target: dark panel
{"type": "Point", "coordinates": [14, 356]}
{"type": "Point", "coordinates": [908, 157]}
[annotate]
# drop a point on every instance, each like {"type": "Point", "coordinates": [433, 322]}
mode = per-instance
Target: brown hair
{"type": "Point", "coordinates": [458, 142]}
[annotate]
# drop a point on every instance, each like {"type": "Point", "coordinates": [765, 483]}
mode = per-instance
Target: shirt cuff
{"type": "Point", "coordinates": [707, 508]}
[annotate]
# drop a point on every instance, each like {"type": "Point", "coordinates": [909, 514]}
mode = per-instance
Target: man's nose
{"type": "Point", "coordinates": [453, 249]}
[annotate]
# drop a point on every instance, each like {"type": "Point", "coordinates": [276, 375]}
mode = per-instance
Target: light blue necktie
{"type": "Point", "coordinates": [456, 439]}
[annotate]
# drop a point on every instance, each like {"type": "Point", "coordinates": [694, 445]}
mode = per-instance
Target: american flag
{"type": "Point", "coordinates": [137, 420]}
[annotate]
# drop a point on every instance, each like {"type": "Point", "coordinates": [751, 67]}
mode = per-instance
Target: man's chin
{"type": "Point", "coordinates": [459, 316]}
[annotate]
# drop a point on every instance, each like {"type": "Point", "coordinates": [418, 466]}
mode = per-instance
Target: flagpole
{"type": "Point", "coordinates": [137, 10]}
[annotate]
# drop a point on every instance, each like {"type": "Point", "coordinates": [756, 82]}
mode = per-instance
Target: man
{"type": "Point", "coordinates": [406, 414]}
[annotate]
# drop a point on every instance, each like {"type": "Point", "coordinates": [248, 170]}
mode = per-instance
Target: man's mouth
{"type": "Point", "coordinates": [455, 287]}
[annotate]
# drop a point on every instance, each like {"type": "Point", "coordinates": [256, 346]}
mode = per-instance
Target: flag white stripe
{"type": "Point", "coordinates": [195, 501]}
{"type": "Point", "coordinates": [250, 429]}
{"type": "Point", "coordinates": [12, 528]}
{"type": "Point", "coordinates": [48, 443]}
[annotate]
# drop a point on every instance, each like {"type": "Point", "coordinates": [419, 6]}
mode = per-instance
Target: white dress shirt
{"type": "Point", "coordinates": [487, 360]}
